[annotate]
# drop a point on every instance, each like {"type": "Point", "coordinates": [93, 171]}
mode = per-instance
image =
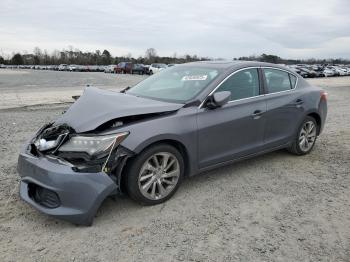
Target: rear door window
{"type": "Point", "coordinates": [277, 80]}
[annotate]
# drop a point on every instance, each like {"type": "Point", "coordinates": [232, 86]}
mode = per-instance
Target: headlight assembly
{"type": "Point", "coordinates": [93, 145]}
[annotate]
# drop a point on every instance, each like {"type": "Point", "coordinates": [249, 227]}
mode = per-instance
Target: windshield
{"type": "Point", "coordinates": [178, 83]}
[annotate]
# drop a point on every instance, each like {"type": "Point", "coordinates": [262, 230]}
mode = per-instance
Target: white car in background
{"type": "Point", "coordinates": [346, 70]}
{"type": "Point", "coordinates": [72, 68]}
{"type": "Point", "coordinates": [155, 68]}
{"type": "Point", "coordinates": [62, 67]}
{"type": "Point", "coordinates": [110, 69]}
{"type": "Point", "coordinates": [328, 72]}
{"type": "Point", "coordinates": [340, 71]}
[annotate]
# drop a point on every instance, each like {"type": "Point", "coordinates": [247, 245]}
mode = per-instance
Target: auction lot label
{"type": "Point", "coordinates": [195, 78]}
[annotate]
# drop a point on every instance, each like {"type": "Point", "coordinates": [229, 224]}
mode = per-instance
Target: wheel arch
{"type": "Point", "coordinates": [318, 120]}
{"type": "Point", "coordinates": [169, 141]}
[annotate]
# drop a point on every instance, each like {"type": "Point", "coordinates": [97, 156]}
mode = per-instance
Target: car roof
{"type": "Point", "coordinates": [225, 65]}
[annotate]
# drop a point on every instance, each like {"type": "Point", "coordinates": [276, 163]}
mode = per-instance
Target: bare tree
{"type": "Point", "coordinates": [37, 55]}
{"type": "Point", "coordinates": [151, 54]}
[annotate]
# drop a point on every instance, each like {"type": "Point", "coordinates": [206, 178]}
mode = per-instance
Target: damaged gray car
{"type": "Point", "coordinates": [180, 122]}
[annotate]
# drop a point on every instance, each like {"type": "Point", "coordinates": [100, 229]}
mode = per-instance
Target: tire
{"type": "Point", "coordinates": [299, 148]}
{"type": "Point", "coordinates": [151, 72]}
{"type": "Point", "coordinates": [147, 189]}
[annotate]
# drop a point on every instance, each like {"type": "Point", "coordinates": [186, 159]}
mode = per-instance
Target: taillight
{"type": "Point", "coordinates": [324, 95]}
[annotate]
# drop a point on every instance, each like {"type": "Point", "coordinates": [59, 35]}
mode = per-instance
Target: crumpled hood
{"type": "Point", "coordinates": [96, 106]}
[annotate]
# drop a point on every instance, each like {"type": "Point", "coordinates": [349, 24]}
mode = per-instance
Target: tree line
{"type": "Point", "coordinates": [76, 56]}
{"type": "Point", "coordinates": [278, 60]}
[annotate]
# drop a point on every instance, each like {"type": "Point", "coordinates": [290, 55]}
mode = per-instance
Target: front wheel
{"type": "Point", "coordinates": [154, 176]}
{"type": "Point", "coordinates": [306, 138]}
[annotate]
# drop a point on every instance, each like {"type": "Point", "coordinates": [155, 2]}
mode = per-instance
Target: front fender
{"type": "Point", "coordinates": [180, 128]}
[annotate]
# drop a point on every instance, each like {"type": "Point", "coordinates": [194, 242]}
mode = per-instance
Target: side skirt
{"type": "Point", "coordinates": [208, 168]}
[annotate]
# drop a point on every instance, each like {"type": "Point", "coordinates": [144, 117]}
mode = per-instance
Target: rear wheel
{"type": "Point", "coordinates": [306, 137]}
{"type": "Point", "coordinates": [155, 175]}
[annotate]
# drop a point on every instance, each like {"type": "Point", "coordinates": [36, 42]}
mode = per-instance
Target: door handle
{"type": "Point", "coordinates": [298, 103]}
{"type": "Point", "coordinates": [257, 114]}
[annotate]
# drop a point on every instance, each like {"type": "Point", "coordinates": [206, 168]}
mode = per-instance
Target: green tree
{"type": "Point", "coordinates": [17, 59]}
{"type": "Point", "coordinates": [270, 58]}
{"type": "Point", "coordinates": [106, 57]}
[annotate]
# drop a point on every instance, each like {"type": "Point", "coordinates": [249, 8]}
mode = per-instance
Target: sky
{"type": "Point", "coordinates": [217, 29]}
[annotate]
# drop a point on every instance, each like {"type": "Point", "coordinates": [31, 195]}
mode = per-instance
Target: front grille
{"type": "Point", "coordinates": [43, 196]}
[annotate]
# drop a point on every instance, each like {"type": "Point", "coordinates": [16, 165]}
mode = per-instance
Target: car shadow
{"type": "Point", "coordinates": [122, 203]}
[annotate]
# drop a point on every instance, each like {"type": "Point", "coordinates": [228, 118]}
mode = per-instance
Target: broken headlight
{"type": "Point", "coordinates": [93, 145]}
{"type": "Point", "coordinates": [43, 144]}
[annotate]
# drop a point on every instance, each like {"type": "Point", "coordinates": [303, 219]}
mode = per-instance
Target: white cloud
{"type": "Point", "coordinates": [207, 28]}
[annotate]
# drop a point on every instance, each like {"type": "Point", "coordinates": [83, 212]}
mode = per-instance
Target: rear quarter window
{"type": "Point", "coordinates": [293, 80]}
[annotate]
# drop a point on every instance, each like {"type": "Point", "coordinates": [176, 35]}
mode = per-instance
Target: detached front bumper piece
{"type": "Point", "coordinates": [53, 188]}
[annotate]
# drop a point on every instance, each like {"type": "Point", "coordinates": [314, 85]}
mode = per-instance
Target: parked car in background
{"type": "Point", "coordinates": [328, 72]}
{"type": "Point", "coordinates": [101, 68]}
{"type": "Point", "coordinates": [62, 67]}
{"type": "Point", "coordinates": [110, 69]}
{"type": "Point", "coordinates": [319, 72]}
{"type": "Point", "coordinates": [146, 67]}
{"type": "Point", "coordinates": [73, 68]}
{"type": "Point", "coordinates": [123, 68]}
{"type": "Point", "coordinates": [94, 68]}
{"type": "Point", "coordinates": [316, 73]}
{"type": "Point", "coordinates": [155, 68]}
{"type": "Point", "coordinates": [309, 72]}
{"type": "Point", "coordinates": [347, 69]}
{"type": "Point", "coordinates": [341, 71]}
{"type": "Point", "coordinates": [305, 70]}
{"type": "Point", "coordinates": [138, 69]}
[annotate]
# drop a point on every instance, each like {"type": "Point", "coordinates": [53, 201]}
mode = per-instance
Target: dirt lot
{"type": "Point", "coordinates": [276, 207]}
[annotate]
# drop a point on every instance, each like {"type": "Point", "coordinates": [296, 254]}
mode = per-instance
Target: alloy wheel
{"type": "Point", "coordinates": [307, 136]}
{"type": "Point", "coordinates": [159, 175]}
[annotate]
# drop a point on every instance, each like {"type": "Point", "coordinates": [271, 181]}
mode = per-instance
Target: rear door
{"type": "Point", "coordinates": [237, 128]}
{"type": "Point", "coordinates": [285, 106]}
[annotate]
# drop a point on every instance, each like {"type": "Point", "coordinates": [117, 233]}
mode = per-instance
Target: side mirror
{"type": "Point", "coordinates": [218, 99]}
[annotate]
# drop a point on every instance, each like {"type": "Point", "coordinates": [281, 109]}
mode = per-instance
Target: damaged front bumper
{"type": "Point", "coordinates": [55, 188]}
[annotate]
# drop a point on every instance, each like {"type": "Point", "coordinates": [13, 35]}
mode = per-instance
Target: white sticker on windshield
{"type": "Point", "coordinates": [195, 78]}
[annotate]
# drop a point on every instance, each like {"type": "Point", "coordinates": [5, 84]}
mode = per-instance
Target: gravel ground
{"type": "Point", "coordinates": [275, 207]}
